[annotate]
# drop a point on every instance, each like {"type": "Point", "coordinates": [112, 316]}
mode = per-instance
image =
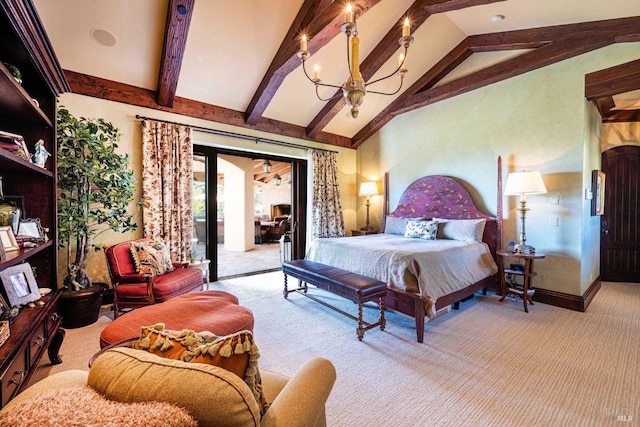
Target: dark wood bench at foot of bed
{"type": "Point", "coordinates": [351, 286]}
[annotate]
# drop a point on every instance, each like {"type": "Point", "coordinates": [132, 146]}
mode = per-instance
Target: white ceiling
{"type": "Point", "coordinates": [231, 44]}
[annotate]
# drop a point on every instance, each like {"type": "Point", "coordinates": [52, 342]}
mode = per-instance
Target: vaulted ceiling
{"type": "Point", "coordinates": [236, 62]}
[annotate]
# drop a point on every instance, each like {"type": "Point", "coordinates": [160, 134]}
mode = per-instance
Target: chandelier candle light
{"type": "Point", "coordinates": [524, 183]}
{"type": "Point", "coordinates": [354, 89]}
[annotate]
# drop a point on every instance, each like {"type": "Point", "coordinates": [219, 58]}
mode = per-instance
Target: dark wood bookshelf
{"type": "Point", "coordinates": [28, 109]}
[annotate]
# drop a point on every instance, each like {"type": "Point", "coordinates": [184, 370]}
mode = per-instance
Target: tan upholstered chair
{"type": "Point", "coordinates": [222, 398]}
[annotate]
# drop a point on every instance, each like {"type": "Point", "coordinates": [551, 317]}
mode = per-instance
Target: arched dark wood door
{"type": "Point", "coordinates": [620, 229]}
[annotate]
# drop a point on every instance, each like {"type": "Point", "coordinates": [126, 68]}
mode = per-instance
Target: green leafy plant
{"type": "Point", "coordinates": [95, 189]}
{"type": "Point", "coordinates": [14, 71]}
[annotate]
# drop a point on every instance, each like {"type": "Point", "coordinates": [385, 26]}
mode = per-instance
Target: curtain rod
{"type": "Point", "coordinates": [257, 139]}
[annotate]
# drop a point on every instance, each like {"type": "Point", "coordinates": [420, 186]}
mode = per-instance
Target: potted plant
{"type": "Point", "coordinates": [95, 188]}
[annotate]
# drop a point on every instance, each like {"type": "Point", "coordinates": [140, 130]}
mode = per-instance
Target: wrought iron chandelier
{"type": "Point", "coordinates": [354, 89]}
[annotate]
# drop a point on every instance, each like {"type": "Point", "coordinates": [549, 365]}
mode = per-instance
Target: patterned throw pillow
{"type": "Point", "coordinates": [421, 229]}
{"type": "Point", "coordinates": [235, 353]}
{"type": "Point", "coordinates": [151, 258]}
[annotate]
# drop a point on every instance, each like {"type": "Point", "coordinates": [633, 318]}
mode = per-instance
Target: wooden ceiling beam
{"type": "Point", "coordinates": [613, 81]}
{"type": "Point", "coordinates": [449, 62]}
{"type": "Point", "coordinates": [618, 116]}
{"type": "Point", "coordinates": [97, 87]}
{"type": "Point", "coordinates": [512, 67]}
{"type": "Point", "coordinates": [418, 12]}
{"type": "Point", "coordinates": [604, 105]}
{"type": "Point", "coordinates": [175, 39]}
{"type": "Point", "coordinates": [320, 21]}
{"type": "Point", "coordinates": [549, 45]}
{"type": "Point", "coordinates": [571, 40]}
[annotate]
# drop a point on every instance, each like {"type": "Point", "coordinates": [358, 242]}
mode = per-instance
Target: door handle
{"type": "Point", "coordinates": [605, 231]}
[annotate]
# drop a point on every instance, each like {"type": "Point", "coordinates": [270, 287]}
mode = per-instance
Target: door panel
{"type": "Point", "coordinates": [620, 233]}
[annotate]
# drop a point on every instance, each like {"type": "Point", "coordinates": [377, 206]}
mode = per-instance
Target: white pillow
{"type": "Point", "coordinates": [466, 230]}
{"type": "Point", "coordinates": [422, 229]}
{"type": "Point", "coordinates": [396, 225]}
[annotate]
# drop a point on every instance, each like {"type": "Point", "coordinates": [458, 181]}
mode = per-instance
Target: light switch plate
{"type": "Point", "coordinates": [588, 195]}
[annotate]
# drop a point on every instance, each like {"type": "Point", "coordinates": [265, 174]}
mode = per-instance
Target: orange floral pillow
{"type": "Point", "coordinates": [236, 353]}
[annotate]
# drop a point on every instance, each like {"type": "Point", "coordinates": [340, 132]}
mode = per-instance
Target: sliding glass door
{"type": "Point", "coordinates": [243, 206]}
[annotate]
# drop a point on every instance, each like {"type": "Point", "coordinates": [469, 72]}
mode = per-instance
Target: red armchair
{"type": "Point", "coordinates": [132, 290]}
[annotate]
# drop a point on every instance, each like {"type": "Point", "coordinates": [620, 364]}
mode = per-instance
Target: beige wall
{"type": "Point", "coordinates": [539, 120]}
{"type": "Point", "coordinates": [123, 116]}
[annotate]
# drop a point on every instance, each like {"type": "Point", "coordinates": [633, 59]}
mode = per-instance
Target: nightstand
{"type": "Point", "coordinates": [527, 273]}
{"type": "Point", "coordinates": [363, 232]}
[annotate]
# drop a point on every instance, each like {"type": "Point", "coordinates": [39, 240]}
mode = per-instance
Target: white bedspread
{"type": "Point", "coordinates": [432, 268]}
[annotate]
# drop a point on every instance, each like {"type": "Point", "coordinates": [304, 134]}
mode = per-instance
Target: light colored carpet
{"type": "Point", "coordinates": [487, 364]}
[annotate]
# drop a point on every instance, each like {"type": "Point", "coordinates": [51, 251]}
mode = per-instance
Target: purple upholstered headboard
{"type": "Point", "coordinates": [439, 196]}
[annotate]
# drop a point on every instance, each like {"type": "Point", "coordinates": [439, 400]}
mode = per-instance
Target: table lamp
{"type": "Point", "coordinates": [368, 189]}
{"type": "Point", "coordinates": [524, 183]}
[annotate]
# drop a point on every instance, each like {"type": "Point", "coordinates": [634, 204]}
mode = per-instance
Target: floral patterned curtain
{"type": "Point", "coordinates": [326, 210]}
{"type": "Point", "coordinates": [167, 174]}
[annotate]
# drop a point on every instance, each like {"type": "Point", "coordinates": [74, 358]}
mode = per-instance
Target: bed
{"type": "Point", "coordinates": [423, 275]}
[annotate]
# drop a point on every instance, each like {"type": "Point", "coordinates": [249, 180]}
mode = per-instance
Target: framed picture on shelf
{"type": "Point", "coordinates": [4, 307]}
{"type": "Point", "coordinates": [8, 240]}
{"type": "Point", "coordinates": [20, 284]}
{"type": "Point", "coordinates": [597, 189]}
{"type": "Point", "coordinates": [30, 230]}
{"type": "Point", "coordinates": [3, 254]}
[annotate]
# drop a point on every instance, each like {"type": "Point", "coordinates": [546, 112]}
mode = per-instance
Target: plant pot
{"type": "Point", "coordinates": [81, 308]}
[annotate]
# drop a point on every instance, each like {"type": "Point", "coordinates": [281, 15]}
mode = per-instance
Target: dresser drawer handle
{"type": "Point", "coordinates": [39, 341]}
{"type": "Point", "coordinates": [14, 381]}
{"type": "Point", "coordinates": [55, 317]}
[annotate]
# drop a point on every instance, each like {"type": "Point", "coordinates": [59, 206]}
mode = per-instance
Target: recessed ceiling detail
{"type": "Point", "coordinates": [103, 37]}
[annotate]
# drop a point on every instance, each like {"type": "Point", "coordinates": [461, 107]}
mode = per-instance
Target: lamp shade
{"type": "Point", "coordinates": [524, 183]}
{"type": "Point", "coordinates": [369, 189]}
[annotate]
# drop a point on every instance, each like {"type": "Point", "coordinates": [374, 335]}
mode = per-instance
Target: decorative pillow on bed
{"type": "Point", "coordinates": [151, 258]}
{"type": "Point", "coordinates": [396, 225]}
{"type": "Point", "coordinates": [422, 229]}
{"type": "Point", "coordinates": [466, 230]}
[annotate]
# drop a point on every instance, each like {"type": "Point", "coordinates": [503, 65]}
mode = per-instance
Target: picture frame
{"type": "Point", "coordinates": [20, 284]}
{"type": "Point", "coordinates": [7, 238]}
{"type": "Point", "coordinates": [598, 180]}
{"type": "Point", "coordinates": [3, 254]}
{"type": "Point", "coordinates": [30, 230]}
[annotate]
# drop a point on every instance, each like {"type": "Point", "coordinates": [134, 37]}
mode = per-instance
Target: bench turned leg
{"type": "Point", "coordinates": [360, 329]}
{"type": "Point", "coordinates": [286, 288]}
{"type": "Point", "coordinates": [383, 321]}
